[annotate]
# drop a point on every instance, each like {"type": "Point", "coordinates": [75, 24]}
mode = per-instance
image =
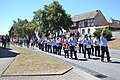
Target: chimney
{"type": "Point", "coordinates": [97, 10]}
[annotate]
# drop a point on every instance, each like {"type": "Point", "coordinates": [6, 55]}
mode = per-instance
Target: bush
{"type": "Point", "coordinates": [107, 32]}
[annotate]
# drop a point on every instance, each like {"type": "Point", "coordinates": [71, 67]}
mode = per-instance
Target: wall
{"type": "Point", "coordinates": [92, 29]}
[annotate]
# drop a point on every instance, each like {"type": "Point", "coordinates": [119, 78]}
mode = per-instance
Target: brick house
{"type": "Point", "coordinates": [88, 22]}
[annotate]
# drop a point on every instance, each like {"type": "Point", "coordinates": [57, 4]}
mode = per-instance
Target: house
{"type": "Point", "coordinates": [88, 22]}
{"type": "Point", "coordinates": [114, 25]}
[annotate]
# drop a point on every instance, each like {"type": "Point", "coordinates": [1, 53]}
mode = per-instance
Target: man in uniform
{"type": "Point", "coordinates": [104, 46]}
{"type": "Point", "coordinates": [72, 42]}
{"type": "Point", "coordinates": [87, 46]}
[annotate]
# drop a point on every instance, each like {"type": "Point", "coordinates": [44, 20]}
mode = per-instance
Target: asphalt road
{"type": "Point", "coordinates": [103, 70]}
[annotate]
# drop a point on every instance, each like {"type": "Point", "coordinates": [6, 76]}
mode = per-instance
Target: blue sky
{"type": "Point", "coordinates": [12, 9]}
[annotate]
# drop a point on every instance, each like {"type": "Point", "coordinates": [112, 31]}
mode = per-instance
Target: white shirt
{"type": "Point", "coordinates": [80, 40]}
{"type": "Point", "coordinates": [96, 42]}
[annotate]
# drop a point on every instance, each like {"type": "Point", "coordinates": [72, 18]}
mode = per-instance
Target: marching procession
{"type": "Point", "coordinates": [71, 45]}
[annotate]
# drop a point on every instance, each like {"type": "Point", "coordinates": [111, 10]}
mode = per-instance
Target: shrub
{"type": "Point", "coordinates": [107, 32]}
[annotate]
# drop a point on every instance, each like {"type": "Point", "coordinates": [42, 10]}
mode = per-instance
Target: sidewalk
{"type": "Point", "coordinates": [6, 58]}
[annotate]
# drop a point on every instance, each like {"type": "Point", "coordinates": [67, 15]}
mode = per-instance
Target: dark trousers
{"type": "Point", "coordinates": [105, 49]}
{"type": "Point", "coordinates": [27, 44]}
{"type": "Point", "coordinates": [50, 48]}
{"type": "Point", "coordinates": [54, 49]}
{"type": "Point", "coordinates": [46, 47]}
{"type": "Point", "coordinates": [60, 48]}
{"type": "Point", "coordinates": [42, 47]}
{"type": "Point", "coordinates": [97, 51]}
{"type": "Point", "coordinates": [72, 50]}
{"type": "Point", "coordinates": [88, 50]}
{"type": "Point", "coordinates": [66, 51]}
{"type": "Point", "coordinates": [92, 50]}
{"type": "Point", "coordinates": [81, 47]}
{"type": "Point", "coordinates": [57, 50]}
{"type": "Point", "coordinates": [39, 45]}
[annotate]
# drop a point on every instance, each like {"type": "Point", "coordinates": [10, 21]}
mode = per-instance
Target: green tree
{"type": "Point", "coordinates": [22, 28]}
{"type": "Point", "coordinates": [107, 32]}
{"type": "Point", "coordinates": [57, 17]}
{"type": "Point", "coordinates": [53, 18]}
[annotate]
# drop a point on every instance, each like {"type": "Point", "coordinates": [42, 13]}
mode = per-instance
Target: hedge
{"type": "Point", "coordinates": [97, 33]}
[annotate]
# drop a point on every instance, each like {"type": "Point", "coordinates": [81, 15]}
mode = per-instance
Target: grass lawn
{"type": "Point", "coordinates": [29, 62]}
{"type": "Point", "coordinates": [114, 44]}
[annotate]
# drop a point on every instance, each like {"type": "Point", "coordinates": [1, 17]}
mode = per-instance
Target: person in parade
{"type": "Point", "coordinates": [4, 42]}
{"type": "Point", "coordinates": [66, 48]}
{"type": "Point", "coordinates": [45, 43]}
{"type": "Point", "coordinates": [80, 44]}
{"type": "Point", "coordinates": [61, 44]}
{"type": "Point", "coordinates": [96, 42]}
{"type": "Point", "coordinates": [42, 42]}
{"type": "Point", "coordinates": [92, 46]}
{"type": "Point", "coordinates": [24, 41]}
{"type": "Point", "coordinates": [36, 41]}
{"type": "Point", "coordinates": [20, 41]}
{"type": "Point", "coordinates": [49, 43]}
{"type": "Point", "coordinates": [28, 42]}
{"type": "Point", "coordinates": [2, 38]}
{"type": "Point", "coordinates": [32, 43]}
{"type": "Point", "coordinates": [72, 42]}
{"type": "Point", "coordinates": [58, 46]}
{"type": "Point", "coordinates": [39, 41]}
{"type": "Point", "coordinates": [104, 46]}
{"type": "Point", "coordinates": [87, 46]}
{"type": "Point", "coordinates": [8, 41]}
{"type": "Point", "coordinates": [54, 45]}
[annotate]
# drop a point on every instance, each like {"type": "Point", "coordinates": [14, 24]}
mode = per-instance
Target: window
{"type": "Point", "coordinates": [74, 24]}
{"type": "Point", "coordinates": [86, 23]}
{"type": "Point", "coordinates": [80, 24]}
{"type": "Point", "coordinates": [88, 31]}
{"type": "Point", "coordinates": [83, 31]}
{"type": "Point", "coordinates": [90, 23]}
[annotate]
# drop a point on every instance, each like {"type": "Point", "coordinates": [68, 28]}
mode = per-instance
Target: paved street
{"type": "Point", "coordinates": [103, 70]}
{"type": "Point", "coordinates": [115, 53]}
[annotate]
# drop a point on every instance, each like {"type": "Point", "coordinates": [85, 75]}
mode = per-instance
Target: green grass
{"type": "Point", "coordinates": [29, 62]}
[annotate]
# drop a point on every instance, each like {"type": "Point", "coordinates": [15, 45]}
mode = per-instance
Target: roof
{"type": "Point", "coordinates": [88, 15]}
{"type": "Point", "coordinates": [115, 25]}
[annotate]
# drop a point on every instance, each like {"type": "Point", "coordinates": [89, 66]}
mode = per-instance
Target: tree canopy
{"type": "Point", "coordinates": [51, 19]}
{"type": "Point", "coordinates": [22, 28]}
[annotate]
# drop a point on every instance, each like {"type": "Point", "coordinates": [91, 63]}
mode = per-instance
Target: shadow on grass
{"type": "Point", "coordinates": [111, 39]}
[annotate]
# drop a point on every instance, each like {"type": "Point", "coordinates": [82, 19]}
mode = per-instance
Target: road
{"type": "Point", "coordinates": [103, 70]}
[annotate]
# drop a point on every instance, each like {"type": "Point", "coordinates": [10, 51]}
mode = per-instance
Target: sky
{"type": "Point", "coordinates": [12, 9]}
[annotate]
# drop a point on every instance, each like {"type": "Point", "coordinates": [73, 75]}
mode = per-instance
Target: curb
{"type": "Point", "coordinates": [45, 74]}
